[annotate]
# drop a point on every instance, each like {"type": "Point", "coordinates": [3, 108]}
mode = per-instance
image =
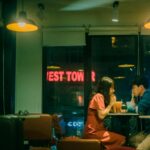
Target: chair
{"type": "Point", "coordinates": [37, 130]}
{"type": "Point", "coordinates": [39, 148]}
{"type": "Point", "coordinates": [79, 144]}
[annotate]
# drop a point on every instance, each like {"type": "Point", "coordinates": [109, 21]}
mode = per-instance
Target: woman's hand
{"type": "Point", "coordinates": [103, 113]}
{"type": "Point", "coordinates": [112, 99]}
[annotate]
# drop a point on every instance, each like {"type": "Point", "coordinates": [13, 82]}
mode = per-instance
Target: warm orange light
{"type": "Point", "coordinates": [147, 25]}
{"type": "Point", "coordinates": [22, 27]}
{"type": "Point", "coordinates": [119, 77]}
{"type": "Point", "coordinates": [22, 24]}
{"type": "Point", "coordinates": [53, 67]}
{"type": "Point", "coordinates": [126, 65]}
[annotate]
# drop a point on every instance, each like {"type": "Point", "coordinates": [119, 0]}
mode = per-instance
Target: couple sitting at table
{"type": "Point", "coordinates": [100, 106]}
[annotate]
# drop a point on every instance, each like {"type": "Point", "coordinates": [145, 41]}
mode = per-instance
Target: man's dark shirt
{"type": "Point", "coordinates": [144, 108]}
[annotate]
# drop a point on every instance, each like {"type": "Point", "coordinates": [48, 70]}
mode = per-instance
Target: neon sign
{"type": "Point", "coordinates": [75, 124]}
{"type": "Point", "coordinates": [69, 76]}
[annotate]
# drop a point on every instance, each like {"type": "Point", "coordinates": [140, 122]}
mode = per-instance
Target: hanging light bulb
{"type": "Point", "coordinates": [22, 23]}
{"type": "Point", "coordinates": [115, 13]}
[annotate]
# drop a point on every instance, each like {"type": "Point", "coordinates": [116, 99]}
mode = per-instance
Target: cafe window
{"type": "Point", "coordinates": [63, 75]}
{"type": "Point", "coordinates": [146, 52]}
{"type": "Point", "coordinates": [115, 56]}
{"type": "Point", "coordinates": [63, 85]}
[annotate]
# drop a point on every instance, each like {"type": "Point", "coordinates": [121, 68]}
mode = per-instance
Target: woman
{"type": "Point", "coordinates": [99, 107]}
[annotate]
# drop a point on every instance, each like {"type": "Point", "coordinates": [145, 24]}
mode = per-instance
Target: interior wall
{"type": "Point", "coordinates": [28, 91]}
{"type": "Point", "coordinates": [64, 36]}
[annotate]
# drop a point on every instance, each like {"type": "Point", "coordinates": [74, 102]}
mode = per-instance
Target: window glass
{"type": "Point", "coordinates": [64, 85]}
{"type": "Point", "coordinates": [63, 78]}
{"type": "Point", "coordinates": [146, 60]}
{"type": "Point", "coordinates": [108, 53]}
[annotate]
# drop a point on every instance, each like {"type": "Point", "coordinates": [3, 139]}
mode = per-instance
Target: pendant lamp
{"type": "Point", "coordinates": [22, 23]}
{"type": "Point", "coordinates": [147, 24]}
{"type": "Point", "coordinates": [115, 13]}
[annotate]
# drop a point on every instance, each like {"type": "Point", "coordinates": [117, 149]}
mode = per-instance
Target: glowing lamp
{"type": "Point", "coordinates": [22, 24]}
{"type": "Point", "coordinates": [147, 24]}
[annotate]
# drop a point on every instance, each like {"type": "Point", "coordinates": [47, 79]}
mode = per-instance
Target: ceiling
{"type": "Point", "coordinates": [67, 13]}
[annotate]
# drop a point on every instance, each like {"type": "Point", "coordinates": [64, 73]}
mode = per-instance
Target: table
{"type": "Point", "coordinates": [124, 122]}
{"type": "Point", "coordinates": [132, 114]}
{"type": "Point", "coordinates": [123, 114]}
{"type": "Point", "coordinates": [141, 117]}
{"type": "Point", "coordinates": [144, 116]}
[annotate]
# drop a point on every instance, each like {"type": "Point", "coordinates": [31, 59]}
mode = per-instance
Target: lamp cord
{"type": "Point", "coordinates": [22, 5]}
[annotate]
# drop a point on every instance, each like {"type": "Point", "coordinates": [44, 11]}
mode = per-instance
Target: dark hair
{"type": "Point", "coordinates": [103, 87]}
{"type": "Point", "coordinates": [141, 80]}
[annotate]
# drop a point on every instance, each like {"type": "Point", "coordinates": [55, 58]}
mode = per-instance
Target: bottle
{"type": "Point", "coordinates": [54, 140]}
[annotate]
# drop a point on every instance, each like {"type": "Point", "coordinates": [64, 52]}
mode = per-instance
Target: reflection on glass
{"type": "Point", "coordinates": [146, 49]}
{"type": "Point", "coordinates": [110, 51]}
{"type": "Point", "coordinates": [64, 80]}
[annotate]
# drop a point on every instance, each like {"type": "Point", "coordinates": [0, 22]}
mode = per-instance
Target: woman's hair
{"type": "Point", "coordinates": [103, 87]}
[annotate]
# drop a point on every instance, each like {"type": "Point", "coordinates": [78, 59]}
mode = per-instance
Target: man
{"type": "Point", "coordinates": [140, 89]}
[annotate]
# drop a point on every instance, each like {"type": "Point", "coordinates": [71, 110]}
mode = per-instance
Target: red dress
{"type": "Point", "coordinates": [94, 127]}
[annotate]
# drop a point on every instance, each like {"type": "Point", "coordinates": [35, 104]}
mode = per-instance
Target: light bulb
{"type": "Point", "coordinates": [21, 24]}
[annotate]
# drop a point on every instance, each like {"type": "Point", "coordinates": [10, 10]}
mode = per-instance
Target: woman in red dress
{"type": "Point", "coordinates": [99, 107]}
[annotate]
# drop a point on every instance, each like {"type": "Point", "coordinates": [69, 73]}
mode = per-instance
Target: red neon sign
{"type": "Point", "coordinates": [69, 76]}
